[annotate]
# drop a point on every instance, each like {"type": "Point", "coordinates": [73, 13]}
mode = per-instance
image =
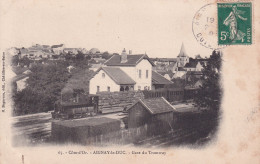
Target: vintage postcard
{"type": "Point", "coordinates": [152, 81]}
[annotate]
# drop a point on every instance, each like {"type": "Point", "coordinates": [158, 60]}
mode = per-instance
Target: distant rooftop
{"type": "Point", "coordinates": [157, 105]}
{"type": "Point", "coordinates": [56, 46]}
{"type": "Point", "coordinates": [116, 74]}
{"type": "Point", "coordinates": [132, 60]}
{"type": "Point", "coordinates": [159, 79]}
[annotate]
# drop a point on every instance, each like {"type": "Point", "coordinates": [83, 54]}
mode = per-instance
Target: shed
{"type": "Point", "coordinates": [155, 113]}
{"type": "Point", "coordinates": [84, 131]}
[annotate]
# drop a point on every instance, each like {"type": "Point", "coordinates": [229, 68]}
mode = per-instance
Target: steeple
{"type": "Point", "coordinates": [182, 52]}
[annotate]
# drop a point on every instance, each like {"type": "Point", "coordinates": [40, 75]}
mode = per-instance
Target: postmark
{"type": "Point", "coordinates": [234, 23]}
{"type": "Point", "coordinates": [204, 27]}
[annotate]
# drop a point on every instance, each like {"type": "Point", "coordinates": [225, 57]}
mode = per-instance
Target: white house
{"type": "Point", "coordinates": [193, 65]}
{"type": "Point", "coordinates": [110, 79]}
{"type": "Point", "coordinates": [21, 83]}
{"type": "Point", "coordinates": [123, 72]}
{"type": "Point", "coordinates": [57, 49]}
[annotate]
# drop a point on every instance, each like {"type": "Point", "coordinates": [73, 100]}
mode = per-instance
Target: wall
{"type": "Point", "coordinates": [21, 84]}
{"type": "Point", "coordinates": [143, 81]}
{"type": "Point", "coordinates": [171, 95]}
{"type": "Point", "coordinates": [133, 72]}
{"type": "Point", "coordinates": [103, 83]}
{"type": "Point", "coordinates": [117, 101]}
{"type": "Point", "coordinates": [137, 116]}
{"type": "Point", "coordinates": [199, 67]}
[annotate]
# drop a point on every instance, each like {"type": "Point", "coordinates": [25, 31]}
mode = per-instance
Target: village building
{"type": "Point", "coordinates": [94, 51]}
{"type": "Point", "coordinates": [95, 66]}
{"type": "Point", "coordinates": [71, 50]}
{"type": "Point", "coordinates": [58, 49]}
{"type": "Point", "coordinates": [155, 113]}
{"type": "Point", "coordinates": [20, 77]}
{"type": "Point", "coordinates": [23, 52]}
{"type": "Point", "coordinates": [159, 81]}
{"type": "Point", "coordinates": [193, 65]}
{"type": "Point", "coordinates": [122, 73]}
{"type": "Point", "coordinates": [164, 61]}
{"type": "Point", "coordinates": [12, 51]}
{"type": "Point", "coordinates": [110, 79]}
{"type": "Point", "coordinates": [21, 83]}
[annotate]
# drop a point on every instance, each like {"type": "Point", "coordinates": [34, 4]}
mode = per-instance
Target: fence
{"type": "Point", "coordinates": [117, 101]}
{"type": "Point", "coordinates": [174, 94]}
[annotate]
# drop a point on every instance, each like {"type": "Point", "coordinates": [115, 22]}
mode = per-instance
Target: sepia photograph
{"type": "Point", "coordinates": [129, 81]}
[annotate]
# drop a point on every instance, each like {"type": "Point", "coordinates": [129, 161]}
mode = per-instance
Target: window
{"type": "Point", "coordinates": [103, 75]}
{"type": "Point", "coordinates": [139, 88]}
{"type": "Point", "coordinates": [147, 73]}
{"type": "Point", "coordinates": [108, 89]}
{"type": "Point", "coordinates": [140, 73]}
{"type": "Point", "coordinates": [98, 88]}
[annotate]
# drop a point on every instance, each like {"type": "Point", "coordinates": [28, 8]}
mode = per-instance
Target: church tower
{"type": "Point", "coordinates": [182, 58]}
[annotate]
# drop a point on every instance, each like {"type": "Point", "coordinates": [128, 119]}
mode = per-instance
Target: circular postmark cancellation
{"type": "Point", "coordinates": [205, 26]}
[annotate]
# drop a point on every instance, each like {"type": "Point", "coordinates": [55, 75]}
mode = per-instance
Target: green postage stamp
{"type": "Point", "coordinates": [234, 23]}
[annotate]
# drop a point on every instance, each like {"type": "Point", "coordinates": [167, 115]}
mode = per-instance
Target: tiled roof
{"type": "Point", "coordinates": [24, 51]}
{"type": "Point", "coordinates": [56, 46]}
{"type": "Point", "coordinates": [179, 74]}
{"type": "Point", "coordinates": [181, 69]}
{"type": "Point", "coordinates": [117, 75]}
{"type": "Point", "coordinates": [159, 79]}
{"type": "Point", "coordinates": [19, 70]}
{"type": "Point", "coordinates": [192, 63]}
{"type": "Point", "coordinates": [70, 49]}
{"type": "Point", "coordinates": [194, 73]}
{"type": "Point", "coordinates": [132, 60]}
{"type": "Point", "coordinates": [163, 73]}
{"type": "Point", "coordinates": [164, 59]}
{"type": "Point", "coordinates": [157, 105]}
{"type": "Point", "coordinates": [101, 122]}
{"type": "Point", "coordinates": [45, 46]}
{"type": "Point", "coordinates": [19, 77]}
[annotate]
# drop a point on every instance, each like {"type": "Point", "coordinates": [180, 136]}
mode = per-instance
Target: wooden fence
{"type": "Point", "coordinates": [169, 94]}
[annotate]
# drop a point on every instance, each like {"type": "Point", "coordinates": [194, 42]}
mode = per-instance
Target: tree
{"type": "Point", "coordinates": [15, 60]}
{"type": "Point", "coordinates": [106, 55]}
{"type": "Point", "coordinates": [210, 92]}
{"type": "Point", "coordinates": [25, 61]}
{"type": "Point", "coordinates": [44, 88]}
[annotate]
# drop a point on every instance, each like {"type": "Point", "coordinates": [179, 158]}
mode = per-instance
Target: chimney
{"type": "Point", "coordinates": [123, 56]}
{"type": "Point", "coordinates": [130, 52]}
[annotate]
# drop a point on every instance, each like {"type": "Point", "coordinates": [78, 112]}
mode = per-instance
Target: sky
{"type": "Point", "coordinates": [157, 27]}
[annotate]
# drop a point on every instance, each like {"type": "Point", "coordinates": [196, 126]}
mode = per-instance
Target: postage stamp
{"type": "Point", "coordinates": [234, 23]}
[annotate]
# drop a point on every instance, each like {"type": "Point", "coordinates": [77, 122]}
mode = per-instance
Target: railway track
{"type": "Point", "coordinates": [196, 134]}
{"type": "Point", "coordinates": [31, 129]}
